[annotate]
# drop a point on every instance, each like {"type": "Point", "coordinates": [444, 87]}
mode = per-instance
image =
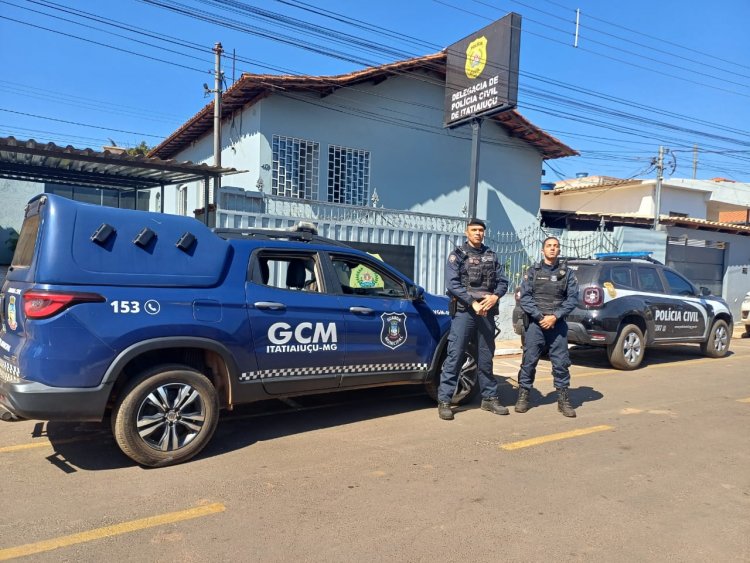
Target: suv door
{"type": "Point", "coordinates": [693, 316]}
{"type": "Point", "coordinates": [388, 338]}
{"type": "Point", "coordinates": [297, 327]}
{"type": "Point", "coordinates": [673, 317]}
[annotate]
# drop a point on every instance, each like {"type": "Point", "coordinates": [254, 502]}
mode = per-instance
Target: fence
{"type": "Point", "coordinates": [432, 236]}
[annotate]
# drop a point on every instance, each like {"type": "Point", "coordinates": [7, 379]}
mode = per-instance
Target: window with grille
{"type": "Point", "coordinates": [348, 175]}
{"type": "Point", "coordinates": [295, 168]}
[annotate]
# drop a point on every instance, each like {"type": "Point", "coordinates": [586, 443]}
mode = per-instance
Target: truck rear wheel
{"type": "Point", "coordinates": [165, 416]}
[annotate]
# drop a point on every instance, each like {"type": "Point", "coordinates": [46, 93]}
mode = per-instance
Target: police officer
{"type": "Point", "coordinates": [549, 292]}
{"type": "Point", "coordinates": [475, 282]}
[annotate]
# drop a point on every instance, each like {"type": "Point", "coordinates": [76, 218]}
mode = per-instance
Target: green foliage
{"type": "Point", "coordinates": [139, 150]}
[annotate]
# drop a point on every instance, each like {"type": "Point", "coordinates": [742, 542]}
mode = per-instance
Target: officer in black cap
{"type": "Point", "coordinates": [475, 282]}
{"type": "Point", "coordinates": [549, 292]}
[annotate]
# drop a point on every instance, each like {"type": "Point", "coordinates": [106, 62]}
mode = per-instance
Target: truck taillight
{"type": "Point", "coordinates": [593, 296]}
{"type": "Point", "coordinates": [45, 304]}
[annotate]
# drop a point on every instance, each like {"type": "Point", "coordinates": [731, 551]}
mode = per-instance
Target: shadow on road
{"type": "Point", "coordinates": [91, 447]}
{"type": "Point", "coordinates": [596, 357]}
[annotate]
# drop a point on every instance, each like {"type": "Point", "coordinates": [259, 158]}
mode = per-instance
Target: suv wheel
{"type": "Point", "coordinates": [717, 345]}
{"type": "Point", "coordinates": [165, 416]}
{"type": "Point", "coordinates": [468, 380]}
{"type": "Point", "coordinates": [627, 351]}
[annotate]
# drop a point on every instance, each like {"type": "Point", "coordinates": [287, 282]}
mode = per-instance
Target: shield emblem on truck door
{"type": "Point", "coordinates": [393, 334]}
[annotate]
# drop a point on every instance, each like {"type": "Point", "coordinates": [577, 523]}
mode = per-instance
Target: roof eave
{"type": "Point", "coordinates": [251, 88]}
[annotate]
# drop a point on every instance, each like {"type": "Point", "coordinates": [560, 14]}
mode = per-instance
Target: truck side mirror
{"type": "Point", "coordinates": [416, 293]}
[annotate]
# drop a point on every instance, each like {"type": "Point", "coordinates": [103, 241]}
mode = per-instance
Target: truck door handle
{"type": "Point", "coordinates": [271, 305]}
{"type": "Point", "coordinates": [361, 310]}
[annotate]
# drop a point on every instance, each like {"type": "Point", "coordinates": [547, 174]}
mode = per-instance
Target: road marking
{"type": "Point", "coordinates": [744, 400]}
{"type": "Point", "coordinates": [42, 444]}
{"type": "Point", "coordinates": [554, 437]}
{"type": "Point", "coordinates": [109, 531]}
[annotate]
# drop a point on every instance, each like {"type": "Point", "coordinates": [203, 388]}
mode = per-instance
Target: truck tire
{"type": "Point", "coordinates": [717, 345]}
{"type": "Point", "coordinates": [627, 351]}
{"type": "Point", "coordinates": [165, 416]}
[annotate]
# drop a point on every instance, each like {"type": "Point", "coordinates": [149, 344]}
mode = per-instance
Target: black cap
{"type": "Point", "coordinates": [475, 221]}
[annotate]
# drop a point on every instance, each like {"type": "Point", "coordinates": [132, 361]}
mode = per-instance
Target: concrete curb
{"type": "Point", "coordinates": [508, 347]}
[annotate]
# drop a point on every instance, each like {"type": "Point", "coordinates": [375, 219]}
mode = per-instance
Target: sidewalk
{"type": "Point", "coordinates": [513, 346]}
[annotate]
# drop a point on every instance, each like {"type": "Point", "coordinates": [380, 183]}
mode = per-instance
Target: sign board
{"type": "Point", "coordinates": [481, 75]}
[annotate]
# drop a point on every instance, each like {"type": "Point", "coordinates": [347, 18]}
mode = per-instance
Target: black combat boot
{"type": "Point", "coordinates": [563, 403]}
{"type": "Point", "coordinates": [493, 405]}
{"type": "Point", "coordinates": [444, 411]}
{"type": "Point", "coordinates": [522, 403]}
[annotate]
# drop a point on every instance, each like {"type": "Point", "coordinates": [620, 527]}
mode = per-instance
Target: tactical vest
{"type": "Point", "coordinates": [478, 273]}
{"type": "Point", "coordinates": [550, 287]}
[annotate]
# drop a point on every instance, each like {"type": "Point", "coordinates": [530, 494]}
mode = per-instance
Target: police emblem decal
{"type": "Point", "coordinates": [12, 323]}
{"type": "Point", "coordinates": [476, 57]}
{"type": "Point", "coordinates": [393, 333]}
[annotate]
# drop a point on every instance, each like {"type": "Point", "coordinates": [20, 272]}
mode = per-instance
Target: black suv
{"type": "Point", "coordinates": [628, 301]}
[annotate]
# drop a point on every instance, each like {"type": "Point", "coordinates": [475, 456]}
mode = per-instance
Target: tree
{"type": "Point", "coordinates": [139, 150]}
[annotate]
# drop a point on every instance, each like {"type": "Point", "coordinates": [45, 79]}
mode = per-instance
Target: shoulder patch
{"type": "Point", "coordinates": [452, 258]}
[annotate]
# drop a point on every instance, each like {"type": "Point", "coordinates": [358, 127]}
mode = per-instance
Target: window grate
{"type": "Point", "coordinates": [295, 168]}
{"type": "Point", "coordinates": [348, 175]}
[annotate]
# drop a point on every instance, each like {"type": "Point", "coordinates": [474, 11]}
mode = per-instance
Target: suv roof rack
{"type": "Point", "coordinates": [627, 256]}
{"type": "Point", "coordinates": [302, 231]}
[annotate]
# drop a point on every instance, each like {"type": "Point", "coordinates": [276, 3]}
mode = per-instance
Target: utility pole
{"type": "Point", "coordinates": [695, 161]}
{"type": "Point", "coordinates": [217, 123]}
{"type": "Point", "coordinates": [657, 195]}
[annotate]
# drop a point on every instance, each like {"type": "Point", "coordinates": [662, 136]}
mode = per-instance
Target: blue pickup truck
{"type": "Point", "coordinates": [157, 323]}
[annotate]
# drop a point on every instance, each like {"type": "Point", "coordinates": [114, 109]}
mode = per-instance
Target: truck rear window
{"type": "Point", "coordinates": [26, 242]}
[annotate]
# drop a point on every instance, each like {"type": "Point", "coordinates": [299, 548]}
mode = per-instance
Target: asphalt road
{"type": "Point", "coordinates": [655, 468]}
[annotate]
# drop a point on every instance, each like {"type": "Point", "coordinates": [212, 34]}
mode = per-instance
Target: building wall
{"type": "Point", "coordinates": [691, 203]}
{"type": "Point", "coordinates": [416, 164]}
{"type": "Point", "coordinates": [634, 199]}
{"type": "Point", "coordinates": [631, 200]}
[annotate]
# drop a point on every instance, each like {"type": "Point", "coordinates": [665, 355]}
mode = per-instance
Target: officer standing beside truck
{"type": "Point", "coordinates": [475, 283]}
{"type": "Point", "coordinates": [549, 293]}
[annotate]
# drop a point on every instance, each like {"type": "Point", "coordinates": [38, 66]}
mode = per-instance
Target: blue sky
{"type": "Point", "coordinates": [646, 73]}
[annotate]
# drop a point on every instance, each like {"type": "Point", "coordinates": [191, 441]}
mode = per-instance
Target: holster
{"type": "Point", "coordinates": [453, 306]}
{"type": "Point", "coordinates": [526, 321]}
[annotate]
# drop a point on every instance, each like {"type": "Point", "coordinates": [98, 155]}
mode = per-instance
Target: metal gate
{"type": "Point", "coordinates": [701, 261]}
